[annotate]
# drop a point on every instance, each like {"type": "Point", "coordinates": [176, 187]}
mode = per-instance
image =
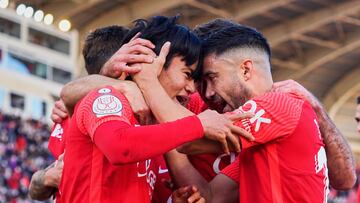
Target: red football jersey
{"type": "Point", "coordinates": [196, 104]}
{"type": "Point", "coordinates": [162, 194]}
{"type": "Point", "coordinates": [88, 176]}
{"type": "Point", "coordinates": [208, 165]}
{"type": "Point", "coordinates": [287, 161]}
{"type": "Point", "coordinates": [57, 138]}
{"type": "Point", "coordinates": [57, 143]}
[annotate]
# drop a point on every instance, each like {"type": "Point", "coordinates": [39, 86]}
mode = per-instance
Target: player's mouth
{"type": "Point", "coordinates": [182, 99]}
{"type": "Point", "coordinates": [227, 108]}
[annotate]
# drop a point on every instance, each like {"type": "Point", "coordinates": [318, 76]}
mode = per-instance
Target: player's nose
{"type": "Point", "coordinates": [190, 87]}
{"type": "Point", "coordinates": [209, 92]}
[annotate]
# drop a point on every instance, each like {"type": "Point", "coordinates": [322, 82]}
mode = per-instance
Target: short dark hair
{"type": "Point", "coordinates": [358, 100]}
{"type": "Point", "coordinates": [236, 36]}
{"type": "Point", "coordinates": [160, 29]}
{"type": "Point", "coordinates": [100, 45]}
{"type": "Point", "coordinates": [205, 30]}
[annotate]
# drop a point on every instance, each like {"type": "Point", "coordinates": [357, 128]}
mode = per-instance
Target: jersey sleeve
{"type": "Point", "coordinates": [100, 106]}
{"type": "Point", "coordinates": [56, 144]}
{"type": "Point", "coordinates": [233, 170]}
{"type": "Point", "coordinates": [276, 116]}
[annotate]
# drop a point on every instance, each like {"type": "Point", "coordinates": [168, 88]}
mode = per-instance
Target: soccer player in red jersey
{"type": "Point", "coordinates": [287, 161]}
{"type": "Point", "coordinates": [106, 153]}
{"type": "Point", "coordinates": [204, 164]}
{"type": "Point", "coordinates": [208, 165]}
{"type": "Point", "coordinates": [99, 46]}
{"type": "Point", "coordinates": [340, 160]}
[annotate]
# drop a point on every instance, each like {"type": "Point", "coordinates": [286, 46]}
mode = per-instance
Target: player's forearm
{"type": "Point", "coordinates": [200, 146]}
{"type": "Point", "coordinates": [77, 89]}
{"type": "Point", "coordinates": [122, 143]}
{"type": "Point", "coordinates": [341, 163]}
{"type": "Point", "coordinates": [37, 189]}
{"type": "Point", "coordinates": [161, 105]}
{"type": "Point", "coordinates": [183, 173]}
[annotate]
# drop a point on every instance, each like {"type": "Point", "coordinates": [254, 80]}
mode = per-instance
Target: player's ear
{"type": "Point", "coordinates": [246, 68]}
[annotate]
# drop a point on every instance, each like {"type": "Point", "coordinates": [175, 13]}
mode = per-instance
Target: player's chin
{"type": "Point", "coordinates": [182, 99]}
{"type": "Point", "coordinates": [217, 106]}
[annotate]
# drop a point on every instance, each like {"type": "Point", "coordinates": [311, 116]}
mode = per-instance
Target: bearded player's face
{"type": "Point", "coordinates": [177, 80]}
{"type": "Point", "coordinates": [222, 86]}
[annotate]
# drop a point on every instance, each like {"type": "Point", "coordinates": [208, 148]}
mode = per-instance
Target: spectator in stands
{"type": "Point", "coordinates": [23, 150]}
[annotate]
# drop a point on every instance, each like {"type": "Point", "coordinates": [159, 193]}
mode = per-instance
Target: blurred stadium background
{"type": "Point", "coordinates": [316, 42]}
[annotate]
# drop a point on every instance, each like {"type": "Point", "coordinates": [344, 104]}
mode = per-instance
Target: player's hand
{"type": "Point", "coordinates": [137, 50]}
{"type": "Point", "coordinates": [52, 176]}
{"type": "Point", "coordinates": [220, 127]}
{"type": "Point", "coordinates": [59, 112]}
{"type": "Point", "coordinates": [236, 116]}
{"type": "Point", "coordinates": [151, 71]}
{"type": "Point", "coordinates": [137, 102]}
{"type": "Point", "coordinates": [188, 194]}
{"type": "Point", "coordinates": [291, 86]}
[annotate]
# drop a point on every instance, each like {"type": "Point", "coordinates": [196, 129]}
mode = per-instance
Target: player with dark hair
{"type": "Point", "coordinates": [108, 158]}
{"type": "Point", "coordinates": [44, 183]}
{"type": "Point", "coordinates": [340, 160]}
{"type": "Point", "coordinates": [237, 69]}
{"type": "Point", "coordinates": [209, 165]}
{"type": "Point", "coordinates": [100, 45]}
{"type": "Point", "coordinates": [206, 29]}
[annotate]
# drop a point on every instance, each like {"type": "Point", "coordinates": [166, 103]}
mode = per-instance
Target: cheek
{"type": "Point", "coordinates": [179, 84]}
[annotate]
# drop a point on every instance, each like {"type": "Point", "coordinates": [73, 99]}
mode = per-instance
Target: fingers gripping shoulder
{"type": "Point", "coordinates": [275, 115]}
{"type": "Point", "coordinates": [100, 106]}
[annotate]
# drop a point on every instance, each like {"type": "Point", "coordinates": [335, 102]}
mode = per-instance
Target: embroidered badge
{"type": "Point", "coordinates": [106, 105]}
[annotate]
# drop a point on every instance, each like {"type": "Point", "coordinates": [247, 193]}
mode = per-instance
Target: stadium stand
{"type": "Point", "coordinates": [315, 42]}
{"type": "Point", "coordinates": [23, 150]}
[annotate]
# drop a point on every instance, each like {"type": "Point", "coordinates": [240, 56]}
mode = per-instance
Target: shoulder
{"type": "Point", "coordinates": [275, 102]}
{"type": "Point", "coordinates": [279, 111]}
{"type": "Point", "coordinates": [105, 101]}
{"type": "Point", "coordinates": [102, 104]}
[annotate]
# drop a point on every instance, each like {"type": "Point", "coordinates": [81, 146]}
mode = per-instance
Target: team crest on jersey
{"type": "Point", "coordinates": [106, 105]}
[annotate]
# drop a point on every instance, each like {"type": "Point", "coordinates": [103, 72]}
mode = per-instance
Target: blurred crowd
{"type": "Point", "coordinates": [23, 150]}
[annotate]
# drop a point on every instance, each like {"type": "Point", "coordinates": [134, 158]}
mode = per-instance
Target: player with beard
{"type": "Point", "coordinates": [336, 146]}
{"type": "Point", "coordinates": [75, 90]}
{"type": "Point", "coordinates": [102, 131]}
{"type": "Point", "coordinates": [244, 51]}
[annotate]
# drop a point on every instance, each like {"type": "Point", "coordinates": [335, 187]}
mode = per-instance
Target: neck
{"type": "Point", "coordinates": [261, 87]}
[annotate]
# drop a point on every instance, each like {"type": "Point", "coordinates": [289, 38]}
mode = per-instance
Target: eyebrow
{"type": "Point", "coordinates": [206, 73]}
